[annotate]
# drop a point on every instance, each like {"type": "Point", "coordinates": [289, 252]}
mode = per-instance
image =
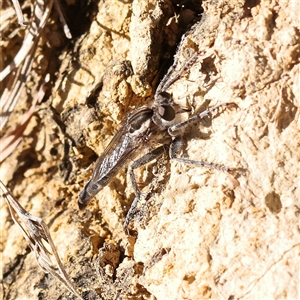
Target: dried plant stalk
{"type": "Point", "coordinates": [20, 67]}
{"type": "Point", "coordinates": [19, 13]}
{"type": "Point", "coordinates": [10, 141]}
{"type": "Point", "coordinates": [36, 233]}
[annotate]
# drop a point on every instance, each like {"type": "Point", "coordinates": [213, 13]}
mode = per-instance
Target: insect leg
{"type": "Point", "coordinates": [136, 164]}
{"type": "Point", "coordinates": [168, 80]}
{"type": "Point", "coordinates": [140, 162]}
{"type": "Point", "coordinates": [177, 145]}
{"type": "Point", "coordinates": [178, 128]}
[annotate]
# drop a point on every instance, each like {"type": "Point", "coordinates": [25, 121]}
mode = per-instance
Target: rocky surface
{"type": "Point", "coordinates": [202, 234]}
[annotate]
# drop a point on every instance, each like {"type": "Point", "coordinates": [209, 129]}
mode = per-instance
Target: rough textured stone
{"type": "Point", "coordinates": [203, 234]}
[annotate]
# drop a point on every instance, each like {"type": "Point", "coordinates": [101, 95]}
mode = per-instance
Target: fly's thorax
{"type": "Point", "coordinates": [139, 123]}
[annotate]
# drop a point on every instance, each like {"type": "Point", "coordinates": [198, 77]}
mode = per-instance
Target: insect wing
{"type": "Point", "coordinates": [119, 149]}
{"type": "Point", "coordinates": [135, 129]}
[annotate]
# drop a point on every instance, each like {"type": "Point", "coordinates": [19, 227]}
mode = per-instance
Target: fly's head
{"type": "Point", "coordinates": [164, 110]}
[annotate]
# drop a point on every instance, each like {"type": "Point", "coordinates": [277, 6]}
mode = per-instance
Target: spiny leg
{"type": "Point", "coordinates": [179, 128]}
{"type": "Point", "coordinates": [167, 81]}
{"type": "Point", "coordinates": [140, 162]}
{"type": "Point", "coordinates": [136, 164]}
{"type": "Point", "coordinates": [177, 145]}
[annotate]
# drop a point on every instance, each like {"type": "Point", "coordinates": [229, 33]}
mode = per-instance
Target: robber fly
{"type": "Point", "coordinates": [145, 125]}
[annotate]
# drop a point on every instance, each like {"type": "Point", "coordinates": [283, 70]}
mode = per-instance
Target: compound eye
{"type": "Point", "coordinates": [167, 112]}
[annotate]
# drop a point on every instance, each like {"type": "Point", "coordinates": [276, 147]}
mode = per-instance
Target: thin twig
{"type": "Point", "coordinates": [62, 19]}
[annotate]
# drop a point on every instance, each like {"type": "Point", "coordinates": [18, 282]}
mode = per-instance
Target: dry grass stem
{"type": "Point", "coordinates": [20, 67]}
{"type": "Point", "coordinates": [10, 141]}
{"type": "Point", "coordinates": [19, 12]}
{"type": "Point", "coordinates": [36, 233]}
